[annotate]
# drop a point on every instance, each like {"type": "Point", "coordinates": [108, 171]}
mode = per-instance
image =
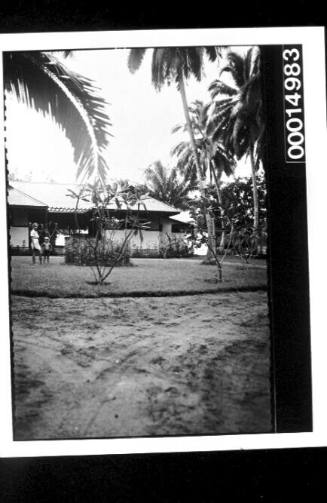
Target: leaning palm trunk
{"type": "Point", "coordinates": [212, 245]}
{"type": "Point", "coordinates": [209, 220]}
{"type": "Point", "coordinates": [222, 240]}
{"type": "Point", "coordinates": [220, 202]}
{"type": "Point", "coordinates": [255, 194]}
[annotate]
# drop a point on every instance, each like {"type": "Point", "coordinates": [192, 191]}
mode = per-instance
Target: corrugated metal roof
{"type": "Point", "coordinates": [67, 210]}
{"type": "Point", "coordinates": [18, 198]}
{"type": "Point", "coordinates": [58, 200]}
{"type": "Point", "coordinates": [152, 204]}
{"type": "Point", "coordinates": [55, 194]}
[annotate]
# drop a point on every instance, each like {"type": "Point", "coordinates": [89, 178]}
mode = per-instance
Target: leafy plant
{"type": "Point", "coordinates": [236, 115]}
{"type": "Point", "coordinates": [167, 186]}
{"type": "Point", "coordinates": [79, 250]}
{"type": "Point", "coordinates": [202, 235]}
{"type": "Point", "coordinates": [173, 246]}
{"type": "Point", "coordinates": [214, 159]}
{"type": "Point", "coordinates": [104, 251]}
{"type": "Point", "coordinates": [234, 218]}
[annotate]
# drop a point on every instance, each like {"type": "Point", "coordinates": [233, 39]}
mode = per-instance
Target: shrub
{"type": "Point", "coordinates": [20, 250]}
{"type": "Point", "coordinates": [174, 247]}
{"type": "Point", "coordinates": [83, 251]}
{"type": "Point", "coordinates": [144, 253]}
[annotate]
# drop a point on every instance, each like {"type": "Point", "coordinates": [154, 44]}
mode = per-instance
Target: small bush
{"type": "Point", "coordinates": [144, 253]}
{"type": "Point", "coordinates": [81, 251]}
{"type": "Point", "coordinates": [174, 247]}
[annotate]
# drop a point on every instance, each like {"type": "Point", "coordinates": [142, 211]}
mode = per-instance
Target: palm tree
{"type": "Point", "coordinates": [166, 186]}
{"type": "Point", "coordinates": [237, 116]}
{"type": "Point", "coordinates": [42, 82]}
{"type": "Point", "coordinates": [214, 159]}
{"type": "Point", "coordinates": [175, 65]}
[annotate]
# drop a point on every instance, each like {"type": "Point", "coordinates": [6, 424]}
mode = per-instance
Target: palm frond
{"type": "Point", "coordinates": [224, 158]}
{"type": "Point", "coordinates": [221, 132]}
{"type": "Point", "coordinates": [235, 66]}
{"type": "Point", "coordinates": [39, 80]}
{"type": "Point", "coordinates": [67, 53]}
{"type": "Point", "coordinates": [165, 185]}
{"type": "Point", "coordinates": [178, 128]}
{"type": "Point", "coordinates": [252, 62]}
{"type": "Point", "coordinates": [218, 87]}
{"type": "Point", "coordinates": [135, 58]}
{"type": "Point", "coordinates": [221, 113]}
{"type": "Point", "coordinates": [192, 61]}
{"type": "Point", "coordinates": [213, 52]}
{"type": "Point", "coordinates": [161, 67]}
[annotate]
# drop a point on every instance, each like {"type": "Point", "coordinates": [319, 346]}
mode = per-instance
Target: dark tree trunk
{"type": "Point", "coordinates": [209, 219]}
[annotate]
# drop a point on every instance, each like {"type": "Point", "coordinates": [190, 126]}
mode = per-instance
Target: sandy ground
{"type": "Point", "coordinates": [141, 367]}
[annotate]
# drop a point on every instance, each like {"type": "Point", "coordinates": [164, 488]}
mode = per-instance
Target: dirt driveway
{"type": "Point", "coordinates": [141, 367]}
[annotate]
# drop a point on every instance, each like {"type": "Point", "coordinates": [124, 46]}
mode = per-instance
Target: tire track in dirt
{"type": "Point", "coordinates": [142, 367]}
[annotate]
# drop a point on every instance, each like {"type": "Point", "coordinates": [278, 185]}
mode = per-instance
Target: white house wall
{"type": "Point", "coordinates": [19, 236]}
{"type": "Point", "coordinates": [151, 239]}
{"type": "Point", "coordinates": [166, 225]}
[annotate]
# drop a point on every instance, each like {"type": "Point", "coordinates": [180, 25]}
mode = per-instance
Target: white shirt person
{"type": "Point", "coordinates": [35, 245]}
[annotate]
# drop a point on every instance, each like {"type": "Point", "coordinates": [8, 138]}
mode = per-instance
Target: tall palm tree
{"type": "Point", "coordinates": [237, 115]}
{"type": "Point", "coordinates": [166, 186]}
{"type": "Point", "coordinates": [176, 65]}
{"type": "Point", "coordinates": [214, 159]}
{"type": "Point", "coordinates": [42, 82]}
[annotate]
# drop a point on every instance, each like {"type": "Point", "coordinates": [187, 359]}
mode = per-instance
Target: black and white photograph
{"type": "Point", "coordinates": [149, 238]}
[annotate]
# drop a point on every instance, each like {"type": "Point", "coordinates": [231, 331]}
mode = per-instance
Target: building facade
{"type": "Point", "coordinates": [52, 207]}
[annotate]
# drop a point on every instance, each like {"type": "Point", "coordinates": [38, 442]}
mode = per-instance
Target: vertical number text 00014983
{"type": "Point", "coordinates": [293, 104]}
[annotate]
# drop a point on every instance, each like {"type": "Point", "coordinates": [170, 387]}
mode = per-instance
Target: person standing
{"type": "Point", "coordinates": [35, 245]}
{"type": "Point", "coordinates": [46, 249]}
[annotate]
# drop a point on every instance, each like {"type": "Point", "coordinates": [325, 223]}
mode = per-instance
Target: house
{"type": "Point", "coordinates": [51, 205]}
{"type": "Point", "coordinates": [23, 209]}
{"type": "Point", "coordinates": [182, 222]}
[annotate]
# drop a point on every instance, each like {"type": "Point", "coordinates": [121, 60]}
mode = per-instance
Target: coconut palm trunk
{"type": "Point", "coordinates": [220, 202]}
{"type": "Point", "coordinates": [239, 115]}
{"type": "Point", "coordinates": [209, 219]}
{"type": "Point", "coordinates": [255, 193]}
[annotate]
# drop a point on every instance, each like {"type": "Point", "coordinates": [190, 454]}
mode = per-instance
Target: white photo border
{"type": "Point", "coordinates": [312, 40]}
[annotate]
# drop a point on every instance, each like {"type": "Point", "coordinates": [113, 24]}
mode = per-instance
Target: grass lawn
{"type": "Point", "coordinates": [146, 276]}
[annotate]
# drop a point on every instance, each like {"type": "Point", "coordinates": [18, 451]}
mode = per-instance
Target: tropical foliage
{"type": "Point", "coordinates": [167, 186]}
{"type": "Point", "coordinates": [43, 82]}
{"type": "Point", "coordinates": [104, 252]}
{"type": "Point", "coordinates": [235, 220]}
{"type": "Point", "coordinates": [236, 114]}
{"type": "Point", "coordinates": [215, 160]}
{"type": "Point", "coordinates": [238, 202]}
{"type": "Point", "coordinates": [175, 65]}
{"type": "Point", "coordinates": [172, 246]}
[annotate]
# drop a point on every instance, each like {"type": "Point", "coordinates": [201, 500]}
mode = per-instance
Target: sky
{"type": "Point", "coordinates": [142, 121]}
